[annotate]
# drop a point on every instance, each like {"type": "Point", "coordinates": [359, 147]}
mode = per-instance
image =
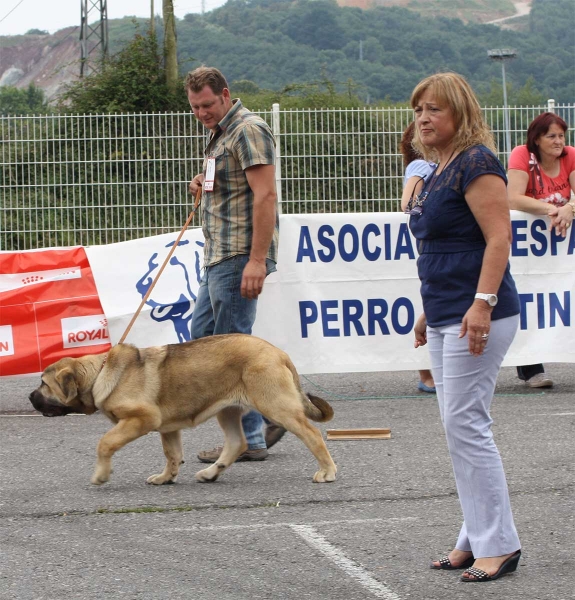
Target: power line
{"type": "Point", "coordinates": [8, 14]}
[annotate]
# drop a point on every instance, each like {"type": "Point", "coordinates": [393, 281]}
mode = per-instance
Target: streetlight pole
{"type": "Point", "coordinates": [503, 54]}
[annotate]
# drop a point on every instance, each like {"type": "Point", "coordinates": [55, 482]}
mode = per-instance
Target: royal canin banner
{"type": "Point", "coordinates": [344, 299]}
{"type": "Point", "coordinates": [49, 309]}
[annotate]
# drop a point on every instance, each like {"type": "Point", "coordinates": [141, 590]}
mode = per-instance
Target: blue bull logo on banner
{"type": "Point", "coordinates": [180, 309]}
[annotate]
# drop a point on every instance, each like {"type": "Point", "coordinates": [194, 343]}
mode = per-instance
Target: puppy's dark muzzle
{"type": "Point", "coordinates": [49, 408]}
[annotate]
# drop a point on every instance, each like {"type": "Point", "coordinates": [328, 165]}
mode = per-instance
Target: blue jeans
{"type": "Point", "coordinates": [220, 309]}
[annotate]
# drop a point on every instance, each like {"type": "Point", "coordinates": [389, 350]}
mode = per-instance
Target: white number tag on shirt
{"type": "Point", "coordinates": [210, 174]}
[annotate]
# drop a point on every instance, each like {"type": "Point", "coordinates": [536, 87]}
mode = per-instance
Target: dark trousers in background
{"type": "Point", "coordinates": [527, 371]}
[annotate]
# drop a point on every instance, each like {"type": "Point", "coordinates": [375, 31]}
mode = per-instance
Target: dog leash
{"type": "Point", "coordinates": [175, 245]}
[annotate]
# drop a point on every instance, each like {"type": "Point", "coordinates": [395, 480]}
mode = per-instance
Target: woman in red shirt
{"type": "Point", "coordinates": [541, 178]}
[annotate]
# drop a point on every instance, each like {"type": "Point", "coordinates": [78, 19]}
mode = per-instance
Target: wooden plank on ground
{"type": "Point", "coordinates": [370, 433]}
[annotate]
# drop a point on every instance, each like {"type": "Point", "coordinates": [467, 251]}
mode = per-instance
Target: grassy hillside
{"type": "Point", "coordinates": [380, 52]}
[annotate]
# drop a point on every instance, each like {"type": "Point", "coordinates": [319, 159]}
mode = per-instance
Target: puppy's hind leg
{"type": "Point", "coordinates": [312, 438]}
{"type": "Point", "coordinates": [172, 444]}
{"type": "Point", "coordinates": [230, 420]}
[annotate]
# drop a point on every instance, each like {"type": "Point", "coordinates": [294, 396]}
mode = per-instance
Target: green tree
{"type": "Point", "coordinates": [528, 95]}
{"type": "Point", "coordinates": [315, 24]}
{"type": "Point", "coordinates": [131, 81]}
{"type": "Point", "coordinates": [245, 86]}
{"type": "Point", "coordinates": [26, 101]}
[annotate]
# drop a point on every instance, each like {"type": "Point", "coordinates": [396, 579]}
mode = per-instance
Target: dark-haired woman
{"type": "Point", "coordinates": [541, 178]}
{"type": "Point", "coordinates": [417, 170]}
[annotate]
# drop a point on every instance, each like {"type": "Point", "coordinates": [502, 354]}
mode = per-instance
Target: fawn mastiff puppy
{"type": "Point", "coordinates": [167, 388]}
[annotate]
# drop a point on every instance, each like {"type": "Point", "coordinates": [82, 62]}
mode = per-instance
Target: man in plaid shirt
{"type": "Point", "coordinates": [240, 225]}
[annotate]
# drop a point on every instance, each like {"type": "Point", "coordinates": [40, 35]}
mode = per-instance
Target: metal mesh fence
{"type": "Point", "coordinates": [94, 179]}
{"type": "Point", "coordinates": [81, 180]}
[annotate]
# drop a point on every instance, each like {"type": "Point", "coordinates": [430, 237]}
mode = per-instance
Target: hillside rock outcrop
{"type": "Point", "coordinates": [47, 61]}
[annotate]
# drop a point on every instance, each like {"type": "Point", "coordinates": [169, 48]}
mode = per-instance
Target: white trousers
{"type": "Point", "coordinates": [465, 385]}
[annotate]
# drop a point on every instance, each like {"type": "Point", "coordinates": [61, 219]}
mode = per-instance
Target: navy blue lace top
{"type": "Point", "coordinates": [451, 245]}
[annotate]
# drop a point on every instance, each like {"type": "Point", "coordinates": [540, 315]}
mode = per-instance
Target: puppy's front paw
{"type": "Point", "coordinates": [324, 476]}
{"type": "Point", "coordinates": [160, 479]}
{"type": "Point", "coordinates": [98, 479]}
{"type": "Point", "coordinates": [101, 474]}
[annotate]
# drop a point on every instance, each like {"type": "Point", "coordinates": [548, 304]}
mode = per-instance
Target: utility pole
{"type": "Point", "coordinates": [501, 55]}
{"type": "Point", "coordinates": [93, 37]}
{"type": "Point", "coordinates": [170, 45]}
{"type": "Point", "coordinates": [152, 19]}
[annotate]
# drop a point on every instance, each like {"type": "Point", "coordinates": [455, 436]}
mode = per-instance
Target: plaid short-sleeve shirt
{"type": "Point", "coordinates": [241, 140]}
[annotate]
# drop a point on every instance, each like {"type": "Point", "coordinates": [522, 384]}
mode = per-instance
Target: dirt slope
{"type": "Point", "coordinates": [481, 11]}
{"type": "Point", "coordinates": [48, 61]}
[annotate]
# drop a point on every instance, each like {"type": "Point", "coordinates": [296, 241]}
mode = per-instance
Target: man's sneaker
{"type": "Point", "coordinates": [539, 381]}
{"type": "Point", "coordinates": [210, 456]}
{"type": "Point", "coordinates": [274, 433]}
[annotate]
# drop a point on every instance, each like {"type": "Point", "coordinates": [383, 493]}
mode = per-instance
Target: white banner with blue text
{"type": "Point", "coordinates": [346, 294]}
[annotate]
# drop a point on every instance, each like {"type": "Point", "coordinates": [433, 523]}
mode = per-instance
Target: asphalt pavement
{"type": "Point", "coordinates": [265, 530]}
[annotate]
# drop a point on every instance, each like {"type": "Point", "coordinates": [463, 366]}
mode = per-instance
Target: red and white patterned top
{"type": "Point", "coordinates": [553, 190]}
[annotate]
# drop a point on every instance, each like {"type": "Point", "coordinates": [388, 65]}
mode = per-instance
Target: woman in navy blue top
{"type": "Point", "coordinates": [462, 225]}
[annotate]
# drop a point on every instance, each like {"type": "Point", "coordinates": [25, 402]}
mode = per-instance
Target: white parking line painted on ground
{"type": "Point", "coordinates": [348, 566]}
{"type": "Point", "coordinates": [37, 415]}
{"type": "Point", "coordinates": [19, 416]}
{"type": "Point", "coordinates": [567, 414]}
{"type": "Point", "coordinates": [268, 525]}
{"type": "Point", "coordinates": [317, 541]}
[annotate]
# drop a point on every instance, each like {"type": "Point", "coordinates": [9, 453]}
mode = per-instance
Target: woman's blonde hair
{"type": "Point", "coordinates": [452, 90]}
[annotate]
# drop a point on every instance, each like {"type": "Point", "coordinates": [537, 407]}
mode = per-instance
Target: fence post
{"type": "Point", "coordinates": [276, 131]}
{"type": "Point", "coordinates": [551, 105]}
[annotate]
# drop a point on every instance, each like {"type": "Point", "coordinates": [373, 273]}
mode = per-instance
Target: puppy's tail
{"type": "Point", "coordinates": [316, 408]}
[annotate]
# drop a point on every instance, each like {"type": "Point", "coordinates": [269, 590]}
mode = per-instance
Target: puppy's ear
{"type": "Point", "coordinates": [67, 381]}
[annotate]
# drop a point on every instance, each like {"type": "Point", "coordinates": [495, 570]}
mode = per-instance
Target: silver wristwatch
{"type": "Point", "coordinates": [491, 299]}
